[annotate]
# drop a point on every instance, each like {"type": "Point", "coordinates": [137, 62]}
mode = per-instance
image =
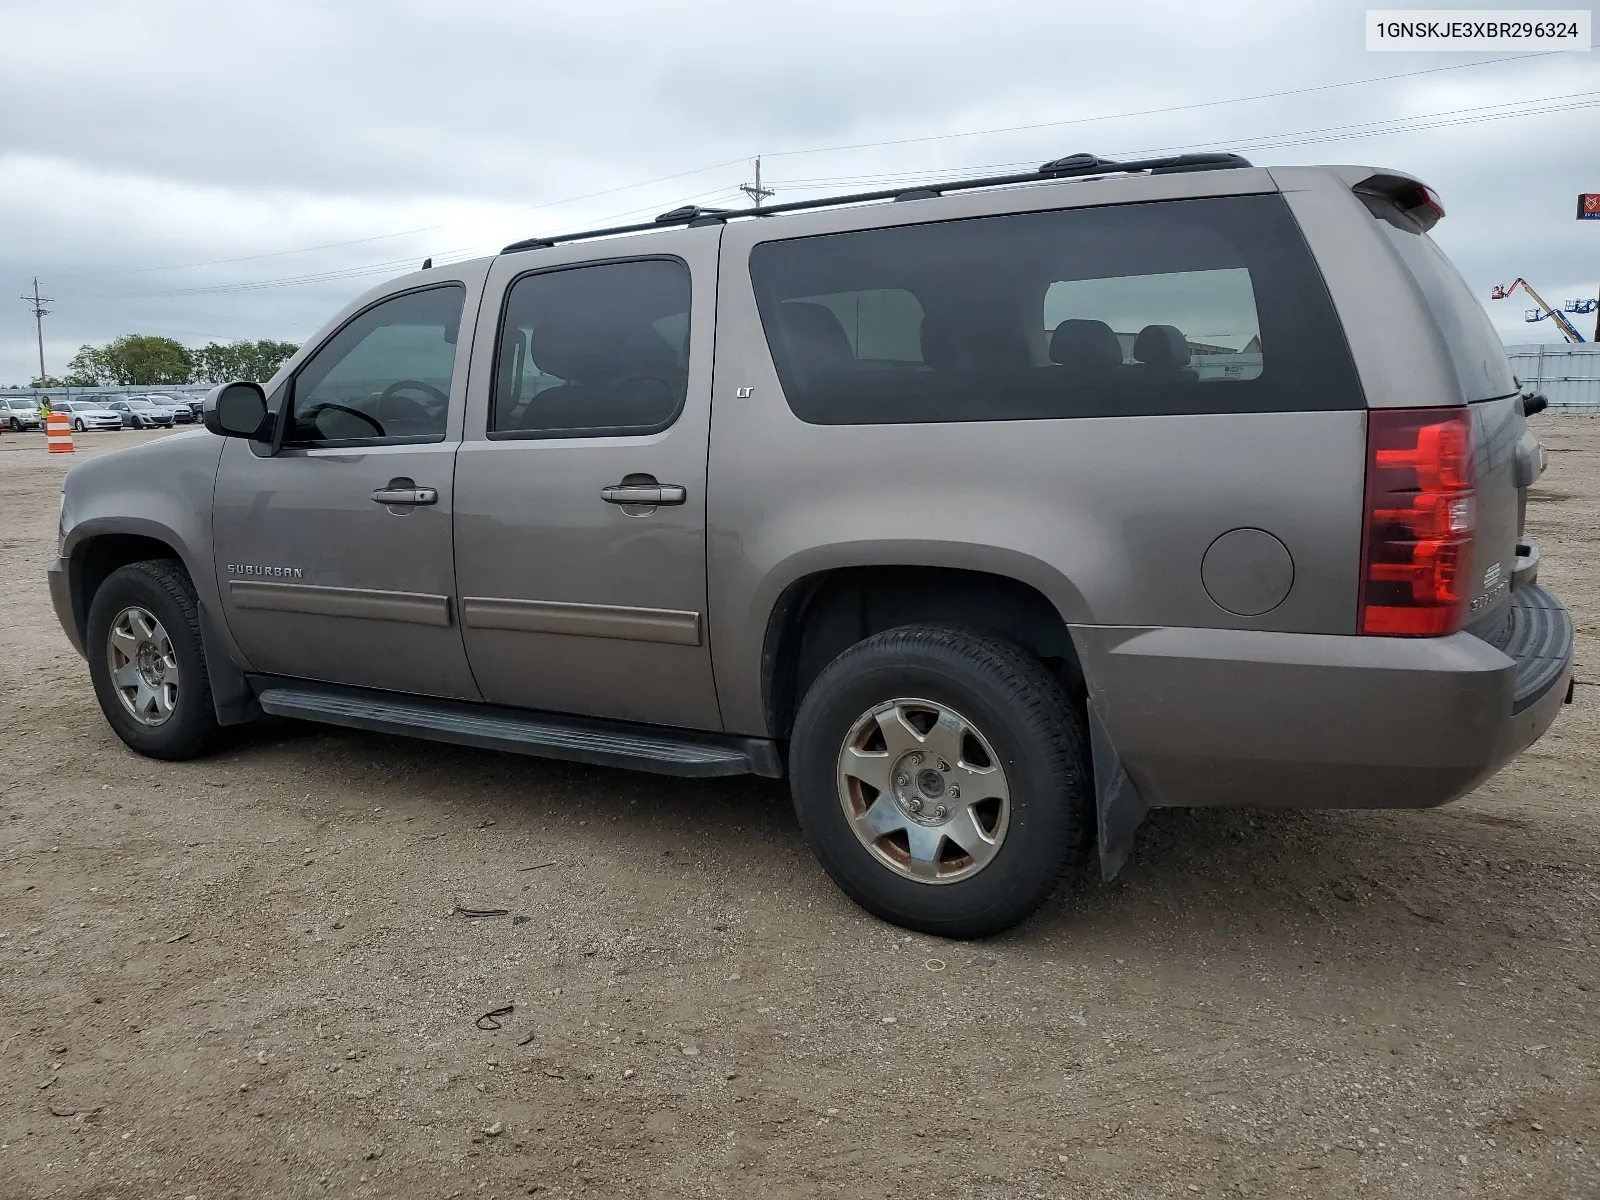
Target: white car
{"type": "Point", "coordinates": [20, 412]}
{"type": "Point", "coordinates": [87, 414]}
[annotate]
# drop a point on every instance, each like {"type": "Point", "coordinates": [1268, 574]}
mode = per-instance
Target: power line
{"type": "Point", "coordinates": [404, 232]}
{"type": "Point", "coordinates": [1419, 121]}
{"type": "Point", "coordinates": [1151, 112]}
{"type": "Point", "coordinates": [831, 149]}
{"type": "Point", "coordinates": [390, 266]}
{"type": "Point", "coordinates": [1269, 141]}
{"type": "Point", "coordinates": [40, 312]}
{"type": "Point", "coordinates": [755, 191]}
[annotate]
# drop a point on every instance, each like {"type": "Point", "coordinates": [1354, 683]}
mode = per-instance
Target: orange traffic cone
{"type": "Point", "coordinates": [58, 433]}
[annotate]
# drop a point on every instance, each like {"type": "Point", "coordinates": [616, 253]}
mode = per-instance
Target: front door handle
{"type": "Point", "coordinates": [406, 495]}
{"type": "Point", "coordinates": [644, 493]}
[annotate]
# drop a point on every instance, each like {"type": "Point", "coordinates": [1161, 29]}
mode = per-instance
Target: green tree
{"type": "Point", "coordinates": [49, 381]}
{"type": "Point", "coordinates": [216, 363]}
{"type": "Point", "coordinates": [142, 359]}
{"type": "Point", "coordinates": [89, 368]}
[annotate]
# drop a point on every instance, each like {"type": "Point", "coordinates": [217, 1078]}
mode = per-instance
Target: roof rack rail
{"type": "Point", "coordinates": [1071, 167]}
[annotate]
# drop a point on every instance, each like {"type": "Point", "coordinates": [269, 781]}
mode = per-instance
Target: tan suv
{"type": "Point", "coordinates": [992, 511]}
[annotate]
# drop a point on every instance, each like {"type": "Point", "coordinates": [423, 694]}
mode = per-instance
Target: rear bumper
{"type": "Point", "coordinates": [1218, 717]}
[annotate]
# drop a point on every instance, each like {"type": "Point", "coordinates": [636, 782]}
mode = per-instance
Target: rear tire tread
{"type": "Point", "coordinates": [1042, 718]}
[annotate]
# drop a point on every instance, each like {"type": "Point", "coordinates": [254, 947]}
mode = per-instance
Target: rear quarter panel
{"type": "Point", "coordinates": [1108, 517]}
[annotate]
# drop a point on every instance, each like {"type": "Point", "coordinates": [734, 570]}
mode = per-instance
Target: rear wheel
{"type": "Point", "coordinates": [147, 661]}
{"type": "Point", "coordinates": [940, 776]}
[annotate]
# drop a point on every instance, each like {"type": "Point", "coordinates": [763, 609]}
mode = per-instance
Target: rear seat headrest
{"type": "Point", "coordinates": [817, 338]}
{"type": "Point", "coordinates": [1162, 346]}
{"type": "Point", "coordinates": [1087, 345]}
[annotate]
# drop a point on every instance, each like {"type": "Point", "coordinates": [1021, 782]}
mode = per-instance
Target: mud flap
{"type": "Point", "coordinates": [1119, 807]}
{"type": "Point", "coordinates": [231, 694]}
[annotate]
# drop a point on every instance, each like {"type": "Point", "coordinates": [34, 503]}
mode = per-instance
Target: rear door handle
{"type": "Point", "coordinates": [644, 493]}
{"type": "Point", "coordinates": [406, 495]}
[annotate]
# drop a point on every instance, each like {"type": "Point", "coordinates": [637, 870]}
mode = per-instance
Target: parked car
{"type": "Point", "coordinates": [992, 517]}
{"type": "Point", "coordinates": [139, 412]}
{"type": "Point", "coordinates": [185, 409]}
{"type": "Point", "coordinates": [20, 412]}
{"type": "Point", "coordinates": [88, 414]}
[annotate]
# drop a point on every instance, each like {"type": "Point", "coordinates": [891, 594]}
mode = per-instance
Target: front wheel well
{"type": "Point", "coordinates": [823, 615]}
{"type": "Point", "coordinates": [94, 561]}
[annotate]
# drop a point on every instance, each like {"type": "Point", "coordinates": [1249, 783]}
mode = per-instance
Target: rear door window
{"type": "Point", "coordinates": [600, 350]}
{"type": "Point", "coordinates": [1211, 305]}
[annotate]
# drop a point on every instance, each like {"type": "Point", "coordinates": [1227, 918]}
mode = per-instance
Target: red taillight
{"type": "Point", "coordinates": [1420, 516]}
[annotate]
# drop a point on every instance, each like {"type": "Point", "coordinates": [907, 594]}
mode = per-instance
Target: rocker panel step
{"type": "Point", "coordinates": [653, 748]}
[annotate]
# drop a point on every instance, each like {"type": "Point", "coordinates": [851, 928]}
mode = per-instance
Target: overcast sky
{"type": "Point", "coordinates": [346, 141]}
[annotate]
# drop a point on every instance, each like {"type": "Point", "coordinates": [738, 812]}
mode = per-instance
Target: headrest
{"type": "Point", "coordinates": [1086, 345]}
{"type": "Point", "coordinates": [1161, 346]}
{"type": "Point", "coordinates": [815, 336]}
{"type": "Point", "coordinates": [577, 347]}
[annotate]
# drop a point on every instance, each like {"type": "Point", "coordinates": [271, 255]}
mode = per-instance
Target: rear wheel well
{"type": "Point", "coordinates": [823, 615]}
{"type": "Point", "coordinates": [96, 559]}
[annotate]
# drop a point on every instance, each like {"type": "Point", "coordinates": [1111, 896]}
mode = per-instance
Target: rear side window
{"type": "Point", "coordinates": [1209, 305]}
{"type": "Point", "coordinates": [1475, 349]}
{"type": "Point", "coordinates": [593, 351]}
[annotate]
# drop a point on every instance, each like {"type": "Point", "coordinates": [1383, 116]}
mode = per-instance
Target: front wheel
{"type": "Point", "coordinates": [940, 776]}
{"type": "Point", "coordinates": [147, 662]}
{"type": "Point", "coordinates": [78, 426]}
{"type": "Point", "coordinates": [16, 425]}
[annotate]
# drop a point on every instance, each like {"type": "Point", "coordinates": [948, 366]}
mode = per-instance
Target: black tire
{"type": "Point", "coordinates": [77, 425]}
{"type": "Point", "coordinates": [162, 587]}
{"type": "Point", "coordinates": [1035, 731]}
{"type": "Point", "coordinates": [16, 425]}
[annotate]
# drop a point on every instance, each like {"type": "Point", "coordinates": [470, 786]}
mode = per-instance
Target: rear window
{"type": "Point", "coordinates": [1209, 305]}
{"type": "Point", "coordinates": [1475, 349]}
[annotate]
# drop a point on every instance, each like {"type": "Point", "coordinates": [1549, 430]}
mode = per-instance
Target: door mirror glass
{"type": "Point", "coordinates": [236, 410]}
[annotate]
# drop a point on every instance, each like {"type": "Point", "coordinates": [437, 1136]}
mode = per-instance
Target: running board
{"type": "Point", "coordinates": [655, 748]}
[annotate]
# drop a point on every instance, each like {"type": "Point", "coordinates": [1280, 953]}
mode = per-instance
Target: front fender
{"type": "Point", "coordinates": [160, 492]}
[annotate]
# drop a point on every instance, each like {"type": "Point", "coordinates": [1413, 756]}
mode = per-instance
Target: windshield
{"type": "Point", "coordinates": [138, 404]}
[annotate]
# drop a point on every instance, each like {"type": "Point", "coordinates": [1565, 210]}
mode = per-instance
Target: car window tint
{"type": "Point", "coordinates": [1210, 305]}
{"type": "Point", "coordinates": [384, 377]}
{"type": "Point", "coordinates": [1214, 310]}
{"type": "Point", "coordinates": [590, 351]}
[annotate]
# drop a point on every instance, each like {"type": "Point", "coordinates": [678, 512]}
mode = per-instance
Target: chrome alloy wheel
{"type": "Point", "coordinates": [924, 791]}
{"type": "Point", "coordinates": [144, 667]}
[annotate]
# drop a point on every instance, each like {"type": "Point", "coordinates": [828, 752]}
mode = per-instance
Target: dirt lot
{"type": "Point", "coordinates": [242, 977]}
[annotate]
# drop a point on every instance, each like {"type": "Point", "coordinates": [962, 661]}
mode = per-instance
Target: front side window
{"type": "Point", "coordinates": [1210, 305]}
{"type": "Point", "coordinates": [384, 377]}
{"type": "Point", "coordinates": [593, 351]}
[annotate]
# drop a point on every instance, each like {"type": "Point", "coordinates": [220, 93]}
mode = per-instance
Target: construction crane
{"type": "Point", "coordinates": [1568, 329]}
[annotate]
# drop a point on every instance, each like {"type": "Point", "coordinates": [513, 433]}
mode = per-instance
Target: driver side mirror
{"type": "Point", "coordinates": [238, 410]}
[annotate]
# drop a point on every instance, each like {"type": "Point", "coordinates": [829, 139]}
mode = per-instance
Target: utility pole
{"type": "Point", "coordinates": [754, 190]}
{"type": "Point", "coordinates": [40, 312]}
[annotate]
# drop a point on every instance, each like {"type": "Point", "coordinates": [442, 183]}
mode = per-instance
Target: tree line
{"type": "Point", "coordinates": [135, 360]}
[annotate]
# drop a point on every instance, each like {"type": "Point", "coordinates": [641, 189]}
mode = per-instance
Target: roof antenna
{"type": "Point", "coordinates": [426, 263]}
{"type": "Point", "coordinates": [754, 190]}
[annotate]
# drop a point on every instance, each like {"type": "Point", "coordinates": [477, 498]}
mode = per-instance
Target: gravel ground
{"type": "Point", "coordinates": [247, 976]}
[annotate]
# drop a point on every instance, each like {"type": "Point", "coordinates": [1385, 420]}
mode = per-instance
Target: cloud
{"type": "Point", "coordinates": [187, 133]}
